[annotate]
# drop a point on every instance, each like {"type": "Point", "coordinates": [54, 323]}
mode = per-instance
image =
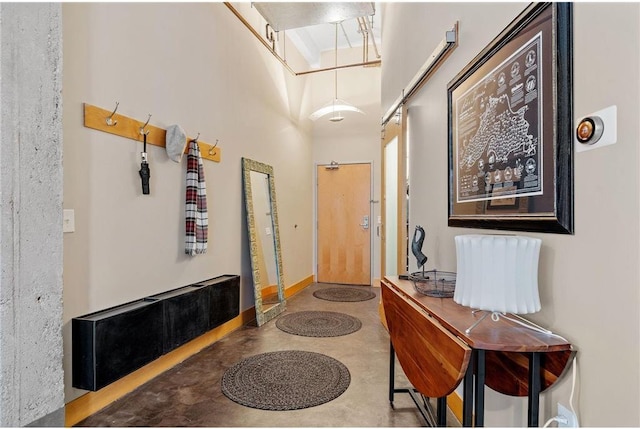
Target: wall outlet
{"type": "Point", "coordinates": [571, 419]}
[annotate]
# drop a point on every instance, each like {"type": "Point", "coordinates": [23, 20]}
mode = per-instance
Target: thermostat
{"type": "Point", "coordinates": [597, 129]}
{"type": "Point", "coordinates": [590, 130]}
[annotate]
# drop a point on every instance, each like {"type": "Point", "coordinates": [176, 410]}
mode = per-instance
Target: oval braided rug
{"type": "Point", "coordinates": [344, 294]}
{"type": "Point", "coordinates": [318, 323]}
{"type": "Point", "coordinates": [285, 380]}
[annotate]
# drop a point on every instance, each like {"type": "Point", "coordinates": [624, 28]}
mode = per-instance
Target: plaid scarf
{"type": "Point", "coordinates": [196, 203]}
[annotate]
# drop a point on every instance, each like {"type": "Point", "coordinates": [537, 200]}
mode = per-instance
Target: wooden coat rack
{"type": "Point", "coordinates": [123, 126]}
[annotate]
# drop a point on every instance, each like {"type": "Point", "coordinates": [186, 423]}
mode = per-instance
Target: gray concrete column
{"type": "Point", "coordinates": [31, 374]}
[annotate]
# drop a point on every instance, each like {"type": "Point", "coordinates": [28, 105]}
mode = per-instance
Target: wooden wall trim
{"type": "Point", "coordinates": [297, 287]}
{"type": "Point", "coordinates": [272, 290]}
{"type": "Point", "coordinates": [454, 402]}
{"type": "Point", "coordinates": [95, 117]}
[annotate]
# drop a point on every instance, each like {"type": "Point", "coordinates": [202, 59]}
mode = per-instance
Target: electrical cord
{"type": "Point", "coordinates": [573, 389]}
{"type": "Point", "coordinates": [561, 419]}
{"type": "Point", "coordinates": [529, 324]}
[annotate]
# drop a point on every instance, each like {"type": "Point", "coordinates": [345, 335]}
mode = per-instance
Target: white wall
{"type": "Point", "coordinates": [195, 65]}
{"type": "Point", "coordinates": [589, 280]}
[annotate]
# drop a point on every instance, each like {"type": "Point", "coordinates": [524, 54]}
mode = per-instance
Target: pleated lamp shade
{"type": "Point", "coordinates": [498, 273]}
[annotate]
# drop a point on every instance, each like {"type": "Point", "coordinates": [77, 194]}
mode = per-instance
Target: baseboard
{"type": "Point", "coordinates": [92, 402]}
{"type": "Point", "coordinates": [267, 291]}
{"type": "Point", "coordinates": [289, 291]}
{"type": "Point", "coordinates": [454, 402]}
{"type": "Point", "coordinates": [297, 287]}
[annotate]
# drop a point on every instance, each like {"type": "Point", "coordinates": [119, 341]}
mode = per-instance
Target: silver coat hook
{"type": "Point", "coordinates": [196, 139]}
{"type": "Point", "coordinates": [142, 131]}
{"type": "Point", "coordinates": [211, 152]}
{"type": "Point", "coordinates": [109, 120]}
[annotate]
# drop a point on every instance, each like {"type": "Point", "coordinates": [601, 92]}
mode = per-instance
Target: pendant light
{"type": "Point", "coordinates": [336, 106]}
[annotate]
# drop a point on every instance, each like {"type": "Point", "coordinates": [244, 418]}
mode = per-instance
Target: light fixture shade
{"type": "Point", "coordinates": [498, 273]}
{"type": "Point", "coordinates": [335, 107]}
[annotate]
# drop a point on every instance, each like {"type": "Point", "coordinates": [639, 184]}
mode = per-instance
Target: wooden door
{"type": "Point", "coordinates": [344, 224]}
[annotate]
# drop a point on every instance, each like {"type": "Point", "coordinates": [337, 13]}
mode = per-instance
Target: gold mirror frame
{"type": "Point", "coordinates": [263, 314]}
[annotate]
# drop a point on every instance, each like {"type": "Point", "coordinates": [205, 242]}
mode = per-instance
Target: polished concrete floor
{"type": "Point", "coordinates": [189, 394]}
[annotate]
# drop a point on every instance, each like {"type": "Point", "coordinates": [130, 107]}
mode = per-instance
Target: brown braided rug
{"type": "Point", "coordinates": [318, 323]}
{"type": "Point", "coordinates": [345, 294]}
{"type": "Point", "coordinates": [285, 380]}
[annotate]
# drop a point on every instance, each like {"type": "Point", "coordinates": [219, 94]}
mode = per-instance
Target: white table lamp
{"type": "Point", "coordinates": [498, 274]}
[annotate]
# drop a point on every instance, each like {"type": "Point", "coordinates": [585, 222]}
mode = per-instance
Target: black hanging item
{"type": "Point", "coordinates": [416, 246]}
{"type": "Point", "coordinates": [145, 173]}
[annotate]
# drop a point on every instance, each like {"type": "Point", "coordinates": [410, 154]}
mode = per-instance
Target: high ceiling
{"type": "Point", "coordinates": [311, 26]}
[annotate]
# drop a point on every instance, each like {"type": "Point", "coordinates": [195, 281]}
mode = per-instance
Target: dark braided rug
{"type": "Point", "coordinates": [285, 380]}
{"type": "Point", "coordinates": [318, 323]}
{"type": "Point", "coordinates": [345, 294]}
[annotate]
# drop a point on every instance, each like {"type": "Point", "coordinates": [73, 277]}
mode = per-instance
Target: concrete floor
{"type": "Point", "coordinates": [189, 394]}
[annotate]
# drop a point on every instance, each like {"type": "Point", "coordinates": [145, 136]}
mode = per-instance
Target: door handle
{"type": "Point", "coordinates": [365, 222]}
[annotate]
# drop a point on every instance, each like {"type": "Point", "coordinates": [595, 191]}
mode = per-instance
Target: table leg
{"type": "Point", "coordinates": [479, 390]}
{"type": "Point", "coordinates": [392, 371]}
{"type": "Point", "coordinates": [467, 394]}
{"type": "Point", "coordinates": [534, 389]}
{"type": "Point", "coordinates": [442, 412]}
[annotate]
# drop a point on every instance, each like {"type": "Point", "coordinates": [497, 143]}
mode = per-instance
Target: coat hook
{"type": "Point", "coordinates": [211, 152]}
{"type": "Point", "coordinates": [109, 120]}
{"type": "Point", "coordinates": [196, 139]}
{"type": "Point", "coordinates": [142, 131]}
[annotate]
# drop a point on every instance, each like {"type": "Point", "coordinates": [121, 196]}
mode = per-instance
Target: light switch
{"type": "Point", "coordinates": [268, 230]}
{"type": "Point", "coordinates": [68, 220]}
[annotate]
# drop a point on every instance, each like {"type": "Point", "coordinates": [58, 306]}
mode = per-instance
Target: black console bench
{"type": "Point", "coordinates": [111, 343]}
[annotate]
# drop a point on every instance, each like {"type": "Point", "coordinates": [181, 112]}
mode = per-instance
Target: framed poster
{"type": "Point", "coordinates": [511, 128]}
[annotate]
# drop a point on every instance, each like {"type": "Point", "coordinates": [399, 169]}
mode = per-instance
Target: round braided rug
{"type": "Point", "coordinates": [285, 380]}
{"type": "Point", "coordinates": [344, 294]}
{"type": "Point", "coordinates": [318, 323]}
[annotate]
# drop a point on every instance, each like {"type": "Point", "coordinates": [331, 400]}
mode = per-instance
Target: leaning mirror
{"type": "Point", "coordinates": [264, 239]}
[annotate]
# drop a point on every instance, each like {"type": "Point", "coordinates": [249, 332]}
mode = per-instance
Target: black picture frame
{"type": "Point", "coordinates": [510, 126]}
